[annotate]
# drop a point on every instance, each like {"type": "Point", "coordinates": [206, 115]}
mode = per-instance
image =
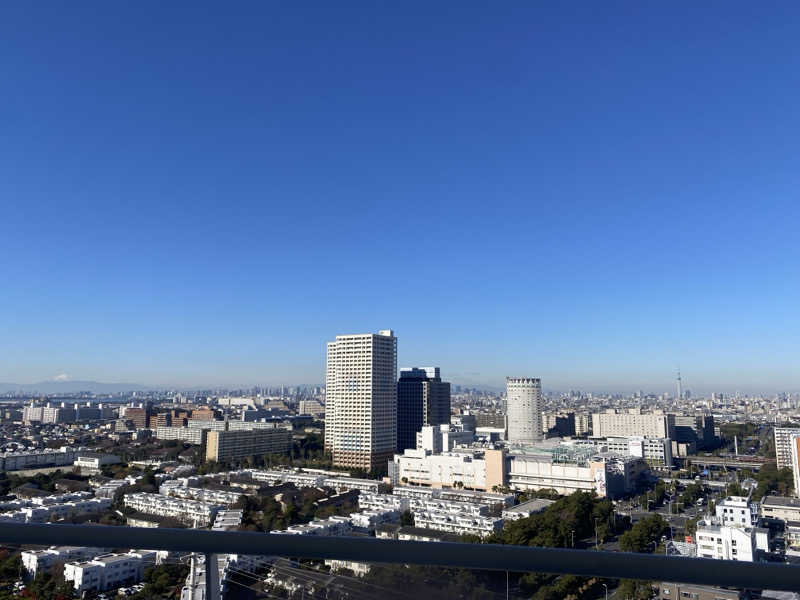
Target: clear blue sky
{"type": "Point", "coordinates": [204, 193]}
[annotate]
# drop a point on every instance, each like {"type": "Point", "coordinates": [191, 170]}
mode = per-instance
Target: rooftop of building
{"type": "Point", "coordinates": [535, 505]}
{"type": "Point", "coordinates": [428, 533]}
{"type": "Point", "coordinates": [781, 501]}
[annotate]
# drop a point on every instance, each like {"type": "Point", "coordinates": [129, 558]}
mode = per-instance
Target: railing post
{"type": "Point", "coordinates": [212, 577]}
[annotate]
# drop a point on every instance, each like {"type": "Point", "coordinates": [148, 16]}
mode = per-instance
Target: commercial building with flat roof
{"type": "Point", "coordinates": [783, 508]}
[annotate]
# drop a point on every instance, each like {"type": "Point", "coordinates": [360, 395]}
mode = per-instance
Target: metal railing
{"type": "Point", "coordinates": [613, 565]}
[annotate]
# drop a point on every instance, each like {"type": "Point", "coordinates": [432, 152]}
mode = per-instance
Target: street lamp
{"type": "Point", "coordinates": [596, 544]}
{"type": "Point", "coordinates": [572, 532]}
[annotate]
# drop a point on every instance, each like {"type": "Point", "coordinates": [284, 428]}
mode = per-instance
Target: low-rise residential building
{"type": "Point", "coordinates": [783, 508]}
{"type": "Point", "coordinates": [108, 571]}
{"type": "Point", "coordinates": [276, 477]}
{"type": "Point", "coordinates": [738, 511]}
{"type": "Point", "coordinates": [51, 512]}
{"type": "Point", "coordinates": [683, 591]}
{"type": "Point", "coordinates": [526, 509]}
{"type": "Point", "coordinates": [458, 495]}
{"type": "Point", "coordinates": [37, 561]}
{"type": "Point", "coordinates": [359, 569]}
{"type": "Point", "coordinates": [367, 501]}
{"type": "Point", "coordinates": [368, 520]}
{"type": "Point", "coordinates": [421, 534]}
{"type": "Point", "coordinates": [726, 542]}
{"type": "Point", "coordinates": [458, 523]}
{"type": "Point", "coordinates": [343, 484]}
{"type": "Point", "coordinates": [110, 489]}
{"type": "Point", "coordinates": [187, 511]}
{"type": "Point", "coordinates": [92, 462]}
{"type": "Point", "coordinates": [332, 526]}
{"type": "Point", "coordinates": [176, 489]}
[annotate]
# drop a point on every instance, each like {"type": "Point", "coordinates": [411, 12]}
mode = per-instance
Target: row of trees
{"type": "Point", "coordinates": [574, 517]}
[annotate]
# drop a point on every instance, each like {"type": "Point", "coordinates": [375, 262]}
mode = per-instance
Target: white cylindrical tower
{"type": "Point", "coordinates": [524, 409]}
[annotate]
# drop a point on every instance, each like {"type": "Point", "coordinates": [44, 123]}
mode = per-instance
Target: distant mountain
{"type": "Point", "coordinates": [71, 387]}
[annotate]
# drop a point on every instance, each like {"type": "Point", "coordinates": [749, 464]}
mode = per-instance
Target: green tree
{"type": "Point", "coordinates": [635, 589]}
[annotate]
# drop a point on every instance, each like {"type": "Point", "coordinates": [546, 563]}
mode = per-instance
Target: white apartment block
{"type": "Point", "coordinates": [93, 462]}
{"type": "Point", "coordinates": [59, 498]}
{"type": "Point", "coordinates": [524, 409]}
{"type": "Point", "coordinates": [186, 511]}
{"type": "Point", "coordinates": [111, 488]}
{"type": "Point", "coordinates": [368, 520]}
{"type": "Point", "coordinates": [783, 445]}
{"type": "Point", "coordinates": [177, 490]}
{"type": "Point", "coordinates": [361, 399]}
{"type": "Point", "coordinates": [314, 479]}
{"type": "Point", "coordinates": [276, 477]}
{"type": "Point", "coordinates": [332, 526]}
{"type": "Point", "coordinates": [230, 445]}
{"type": "Point", "coordinates": [15, 461]}
{"type": "Point", "coordinates": [737, 511]}
{"type": "Point", "coordinates": [344, 484]}
{"type": "Point", "coordinates": [794, 448]}
{"type": "Point", "coordinates": [367, 501]}
{"type": "Point", "coordinates": [723, 542]}
{"type": "Point", "coordinates": [108, 571]}
{"type": "Point", "coordinates": [48, 512]}
{"type": "Point", "coordinates": [458, 523]}
{"type": "Point", "coordinates": [459, 495]}
{"type": "Point", "coordinates": [37, 561]}
{"type": "Point", "coordinates": [190, 435]}
{"type": "Point", "coordinates": [633, 423]}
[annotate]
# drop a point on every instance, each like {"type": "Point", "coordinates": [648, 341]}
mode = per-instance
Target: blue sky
{"type": "Point", "coordinates": [593, 194]}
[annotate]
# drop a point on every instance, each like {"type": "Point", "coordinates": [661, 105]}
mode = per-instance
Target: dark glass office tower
{"type": "Point", "coordinates": [422, 399]}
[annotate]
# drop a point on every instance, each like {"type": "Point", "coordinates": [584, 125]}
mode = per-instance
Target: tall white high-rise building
{"type": "Point", "coordinates": [361, 399]}
{"type": "Point", "coordinates": [524, 409]}
{"type": "Point", "coordinates": [783, 445]}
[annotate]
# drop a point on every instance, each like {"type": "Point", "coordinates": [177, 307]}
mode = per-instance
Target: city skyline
{"type": "Point", "coordinates": [70, 385]}
{"type": "Point", "coordinates": [594, 195]}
